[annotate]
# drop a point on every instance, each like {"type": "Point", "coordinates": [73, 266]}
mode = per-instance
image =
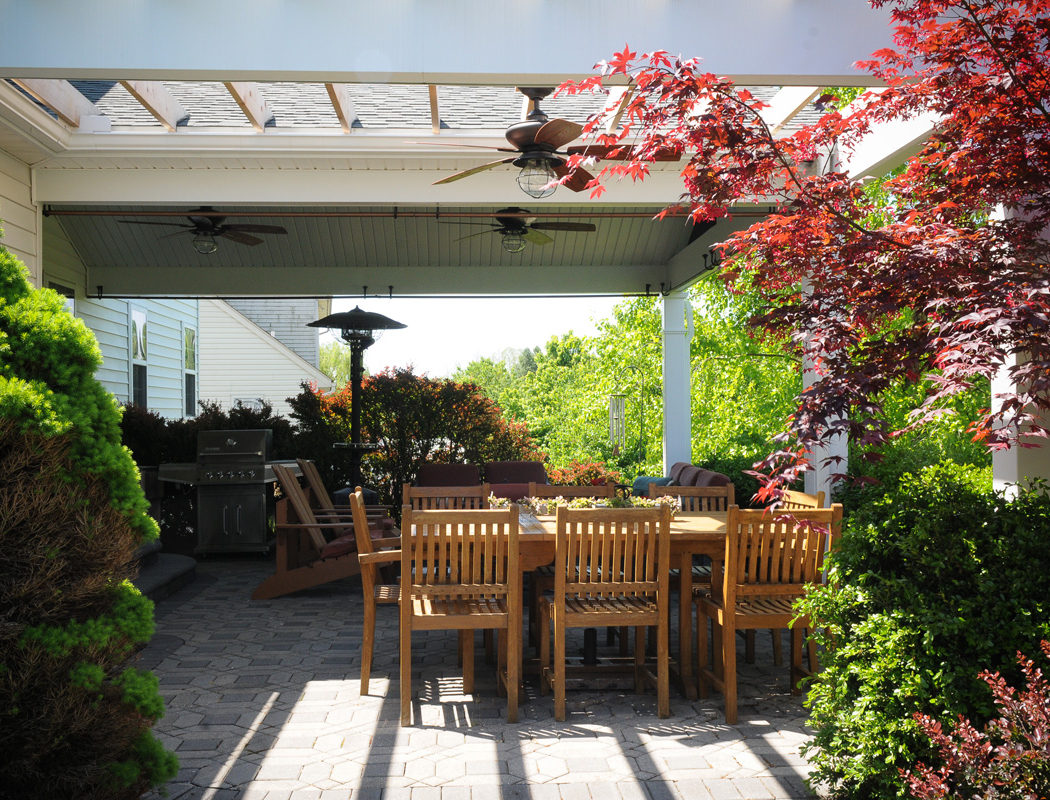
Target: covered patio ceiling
{"type": "Point", "coordinates": [342, 147]}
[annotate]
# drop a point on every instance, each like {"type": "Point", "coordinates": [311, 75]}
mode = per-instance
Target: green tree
{"type": "Point", "coordinates": [74, 717]}
{"type": "Point", "coordinates": [335, 362]}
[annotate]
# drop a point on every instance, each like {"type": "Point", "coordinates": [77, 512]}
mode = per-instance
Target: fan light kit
{"type": "Point", "coordinates": [518, 229]}
{"type": "Point", "coordinates": [535, 141]}
{"type": "Point", "coordinates": [207, 226]}
{"type": "Point", "coordinates": [205, 244]}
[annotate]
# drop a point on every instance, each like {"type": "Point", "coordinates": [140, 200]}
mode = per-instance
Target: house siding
{"type": "Point", "coordinates": [110, 321]}
{"type": "Point", "coordinates": [285, 318]}
{"type": "Point", "coordinates": [241, 361]}
{"type": "Point", "coordinates": [19, 218]}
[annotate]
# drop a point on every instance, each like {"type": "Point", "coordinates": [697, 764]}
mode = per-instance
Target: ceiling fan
{"type": "Point", "coordinates": [206, 227]}
{"type": "Point", "coordinates": [536, 141]}
{"type": "Point", "coordinates": [517, 229]}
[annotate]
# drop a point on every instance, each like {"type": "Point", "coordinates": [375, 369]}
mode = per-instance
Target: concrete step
{"type": "Point", "coordinates": [164, 574]}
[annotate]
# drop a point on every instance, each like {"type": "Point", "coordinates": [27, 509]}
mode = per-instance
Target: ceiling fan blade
{"type": "Point", "coordinates": [177, 233]}
{"type": "Point", "coordinates": [151, 222]}
{"type": "Point", "coordinates": [256, 228]}
{"type": "Point", "coordinates": [618, 152]}
{"type": "Point", "coordinates": [557, 132]}
{"type": "Point", "coordinates": [563, 226]}
{"type": "Point", "coordinates": [240, 238]}
{"type": "Point", "coordinates": [467, 173]}
{"type": "Point", "coordinates": [536, 237]}
{"type": "Point", "coordinates": [477, 146]}
{"type": "Point", "coordinates": [472, 235]}
{"type": "Point", "coordinates": [579, 180]}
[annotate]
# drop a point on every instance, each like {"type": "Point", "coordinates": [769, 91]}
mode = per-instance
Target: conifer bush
{"type": "Point", "coordinates": [75, 716]}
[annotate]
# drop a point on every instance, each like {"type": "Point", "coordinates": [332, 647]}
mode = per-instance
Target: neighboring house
{"type": "Point", "coordinates": [149, 347]}
{"type": "Point", "coordinates": [239, 360]}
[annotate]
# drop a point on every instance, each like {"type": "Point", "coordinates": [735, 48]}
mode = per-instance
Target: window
{"type": "Point", "coordinates": [189, 366]}
{"type": "Point", "coordinates": [139, 395]}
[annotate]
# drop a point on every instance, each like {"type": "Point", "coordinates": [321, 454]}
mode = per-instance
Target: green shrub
{"type": "Point", "coordinates": [74, 716]}
{"type": "Point", "coordinates": [930, 585]}
{"type": "Point", "coordinates": [413, 419]}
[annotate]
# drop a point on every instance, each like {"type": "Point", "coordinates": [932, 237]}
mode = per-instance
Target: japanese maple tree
{"type": "Point", "coordinates": [940, 276]}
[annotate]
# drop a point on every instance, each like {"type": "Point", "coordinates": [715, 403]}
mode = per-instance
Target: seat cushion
{"type": "Point", "coordinates": [448, 475]}
{"type": "Point", "coordinates": [515, 472]}
{"type": "Point", "coordinates": [676, 470]}
{"type": "Point", "coordinates": [512, 491]}
{"type": "Point", "coordinates": [688, 475]}
{"type": "Point", "coordinates": [339, 547]}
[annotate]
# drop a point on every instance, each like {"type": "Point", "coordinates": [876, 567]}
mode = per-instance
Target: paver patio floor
{"type": "Point", "coordinates": [263, 701]}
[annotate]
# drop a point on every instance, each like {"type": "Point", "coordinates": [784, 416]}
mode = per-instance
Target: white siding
{"type": "Point", "coordinates": [240, 361]}
{"type": "Point", "coordinates": [18, 215]}
{"type": "Point", "coordinates": [110, 320]}
{"type": "Point", "coordinates": [286, 318]}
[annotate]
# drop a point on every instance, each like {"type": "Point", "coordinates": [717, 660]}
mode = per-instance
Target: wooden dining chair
{"type": "Point", "coordinates": [791, 499]}
{"type": "Point", "coordinates": [548, 490]}
{"type": "Point", "coordinates": [429, 498]}
{"type": "Point", "coordinates": [459, 571]}
{"type": "Point", "coordinates": [770, 558]}
{"type": "Point", "coordinates": [697, 499]}
{"type": "Point", "coordinates": [309, 552]}
{"type": "Point", "coordinates": [372, 554]}
{"type": "Point", "coordinates": [542, 579]}
{"type": "Point", "coordinates": [611, 569]}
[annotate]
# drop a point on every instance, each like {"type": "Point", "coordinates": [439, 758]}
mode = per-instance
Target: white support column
{"type": "Point", "coordinates": [677, 336]}
{"type": "Point", "coordinates": [1017, 467]}
{"type": "Point", "coordinates": [818, 479]}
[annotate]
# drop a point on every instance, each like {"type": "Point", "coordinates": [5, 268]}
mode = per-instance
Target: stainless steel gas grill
{"type": "Point", "coordinates": [234, 479]}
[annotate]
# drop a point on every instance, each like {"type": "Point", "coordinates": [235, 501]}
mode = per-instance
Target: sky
{"type": "Point", "coordinates": [444, 334]}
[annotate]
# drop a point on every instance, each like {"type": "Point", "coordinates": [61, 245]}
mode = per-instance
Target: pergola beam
{"type": "Point", "coordinates": [339, 94]}
{"type": "Point", "coordinates": [786, 104]}
{"type": "Point", "coordinates": [251, 102]}
{"type": "Point", "coordinates": [62, 98]}
{"type": "Point", "coordinates": [158, 101]}
{"type": "Point", "coordinates": [435, 113]}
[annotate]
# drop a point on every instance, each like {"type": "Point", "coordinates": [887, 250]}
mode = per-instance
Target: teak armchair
{"type": "Point", "coordinates": [428, 498]}
{"type": "Point", "coordinates": [697, 499]}
{"type": "Point", "coordinates": [791, 499]}
{"type": "Point", "coordinates": [372, 554]}
{"type": "Point", "coordinates": [305, 555]}
{"type": "Point", "coordinates": [459, 571]}
{"type": "Point", "coordinates": [542, 579]}
{"type": "Point", "coordinates": [610, 569]}
{"type": "Point", "coordinates": [770, 558]}
{"type": "Point", "coordinates": [559, 490]}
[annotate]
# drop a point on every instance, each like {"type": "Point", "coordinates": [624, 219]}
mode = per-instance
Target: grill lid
{"type": "Point", "coordinates": [253, 445]}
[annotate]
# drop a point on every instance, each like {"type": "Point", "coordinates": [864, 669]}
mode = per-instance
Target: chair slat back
{"type": "Point", "coordinates": [362, 534]}
{"type": "Point", "coordinates": [300, 504]}
{"type": "Point", "coordinates": [793, 500]}
{"type": "Point", "coordinates": [429, 498]}
{"type": "Point", "coordinates": [459, 554]}
{"type": "Point", "coordinates": [609, 552]}
{"type": "Point", "coordinates": [316, 485]}
{"type": "Point", "coordinates": [554, 490]}
{"type": "Point", "coordinates": [698, 499]}
{"type": "Point", "coordinates": [776, 553]}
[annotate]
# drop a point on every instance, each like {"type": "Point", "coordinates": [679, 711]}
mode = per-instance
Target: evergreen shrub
{"type": "Point", "coordinates": [928, 586]}
{"type": "Point", "coordinates": [75, 717]}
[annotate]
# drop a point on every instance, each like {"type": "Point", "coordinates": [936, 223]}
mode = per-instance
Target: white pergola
{"type": "Point", "coordinates": [344, 116]}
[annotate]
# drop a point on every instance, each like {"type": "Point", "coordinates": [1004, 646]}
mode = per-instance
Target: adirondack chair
{"type": "Point", "coordinates": [309, 552]}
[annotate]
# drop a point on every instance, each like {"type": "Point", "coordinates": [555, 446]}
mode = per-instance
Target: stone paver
{"type": "Point", "coordinates": [263, 702]}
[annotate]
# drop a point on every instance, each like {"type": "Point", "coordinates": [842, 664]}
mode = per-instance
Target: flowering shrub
{"type": "Point", "coordinates": [583, 473]}
{"type": "Point", "coordinates": [1009, 759]}
{"type": "Point", "coordinates": [546, 505]}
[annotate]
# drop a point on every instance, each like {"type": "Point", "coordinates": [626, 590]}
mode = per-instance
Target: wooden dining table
{"type": "Point", "coordinates": [691, 534]}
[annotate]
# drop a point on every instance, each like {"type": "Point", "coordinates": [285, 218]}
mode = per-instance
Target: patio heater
{"type": "Point", "coordinates": [358, 329]}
